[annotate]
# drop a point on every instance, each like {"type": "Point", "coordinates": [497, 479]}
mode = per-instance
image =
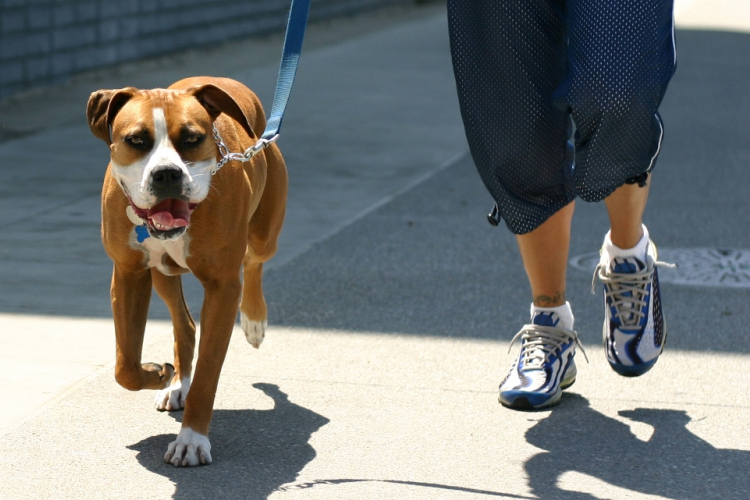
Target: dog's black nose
{"type": "Point", "coordinates": [167, 183]}
{"type": "Point", "coordinates": [166, 176]}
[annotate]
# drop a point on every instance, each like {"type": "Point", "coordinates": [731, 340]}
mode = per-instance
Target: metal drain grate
{"type": "Point", "coordinates": [720, 267]}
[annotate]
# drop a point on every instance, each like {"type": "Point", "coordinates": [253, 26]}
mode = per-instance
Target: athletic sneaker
{"type": "Point", "coordinates": [634, 330]}
{"type": "Point", "coordinates": [544, 367]}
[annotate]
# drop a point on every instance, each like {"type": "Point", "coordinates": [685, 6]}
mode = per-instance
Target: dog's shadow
{"type": "Point", "coordinates": [254, 451]}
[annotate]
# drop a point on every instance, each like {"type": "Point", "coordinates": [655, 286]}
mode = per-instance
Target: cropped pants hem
{"type": "Point", "coordinates": [560, 98]}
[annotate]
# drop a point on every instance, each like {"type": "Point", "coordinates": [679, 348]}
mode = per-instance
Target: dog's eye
{"type": "Point", "coordinates": [135, 141]}
{"type": "Point", "coordinates": [193, 139]}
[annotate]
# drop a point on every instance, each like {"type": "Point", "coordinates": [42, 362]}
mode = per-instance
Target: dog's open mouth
{"type": "Point", "coordinates": [166, 219]}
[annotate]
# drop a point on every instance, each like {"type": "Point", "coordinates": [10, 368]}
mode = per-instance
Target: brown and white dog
{"type": "Point", "coordinates": [219, 227]}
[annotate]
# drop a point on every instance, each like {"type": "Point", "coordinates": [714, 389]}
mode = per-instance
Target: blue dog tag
{"type": "Point", "coordinates": [141, 233]}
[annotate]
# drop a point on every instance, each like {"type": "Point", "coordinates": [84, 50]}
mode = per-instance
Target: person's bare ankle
{"type": "Point", "coordinates": [553, 300]}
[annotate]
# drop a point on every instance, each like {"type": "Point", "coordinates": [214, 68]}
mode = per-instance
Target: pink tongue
{"type": "Point", "coordinates": [170, 213]}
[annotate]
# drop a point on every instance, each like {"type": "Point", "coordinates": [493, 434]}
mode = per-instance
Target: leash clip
{"type": "Point", "coordinates": [248, 155]}
{"type": "Point", "coordinates": [259, 146]}
{"type": "Point", "coordinates": [295, 34]}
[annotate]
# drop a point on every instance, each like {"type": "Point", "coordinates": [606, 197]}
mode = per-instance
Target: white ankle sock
{"type": "Point", "coordinates": [638, 251]}
{"type": "Point", "coordinates": [563, 311]}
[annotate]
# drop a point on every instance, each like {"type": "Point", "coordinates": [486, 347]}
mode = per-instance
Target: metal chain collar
{"type": "Point", "coordinates": [248, 155]}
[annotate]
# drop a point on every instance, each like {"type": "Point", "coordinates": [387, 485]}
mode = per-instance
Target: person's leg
{"type": "Point", "coordinates": [634, 330]}
{"type": "Point", "coordinates": [625, 207]}
{"type": "Point", "coordinates": [545, 256]}
{"type": "Point", "coordinates": [508, 59]}
{"type": "Point", "coordinates": [621, 58]}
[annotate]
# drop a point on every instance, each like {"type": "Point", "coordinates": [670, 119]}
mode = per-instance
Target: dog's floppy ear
{"type": "Point", "coordinates": [103, 106]}
{"type": "Point", "coordinates": [216, 101]}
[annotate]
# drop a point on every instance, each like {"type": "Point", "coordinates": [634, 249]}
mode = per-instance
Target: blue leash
{"type": "Point", "coordinates": [295, 34]}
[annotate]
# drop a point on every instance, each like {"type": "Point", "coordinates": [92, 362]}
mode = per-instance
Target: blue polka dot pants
{"type": "Point", "coordinates": [559, 98]}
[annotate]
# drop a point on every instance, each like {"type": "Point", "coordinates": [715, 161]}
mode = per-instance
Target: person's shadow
{"type": "Point", "coordinates": [254, 451]}
{"type": "Point", "coordinates": [673, 463]}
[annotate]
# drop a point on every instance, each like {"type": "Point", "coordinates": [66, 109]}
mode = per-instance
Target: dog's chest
{"type": "Point", "coordinates": [168, 256]}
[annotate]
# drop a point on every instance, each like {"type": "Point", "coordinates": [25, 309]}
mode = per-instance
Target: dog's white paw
{"type": "Point", "coordinates": [189, 449]}
{"type": "Point", "coordinates": [173, 397]}
{"type": "Point", "coordinates": [254, 330]}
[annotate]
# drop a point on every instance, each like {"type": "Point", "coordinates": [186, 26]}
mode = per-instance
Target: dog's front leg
{"type": "Point", "coordinates": [220, 304]}
{"type": "Point", "coordinates": [131, 293]}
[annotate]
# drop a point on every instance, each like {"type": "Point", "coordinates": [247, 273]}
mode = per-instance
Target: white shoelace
{"type": "Point", "coordinates": [540, 342]}
{"type": "Point", "coordinates": [628, 291]}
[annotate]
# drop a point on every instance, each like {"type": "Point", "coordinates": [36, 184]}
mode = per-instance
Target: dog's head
{"type": "Point", "coordinates": [162, 148]}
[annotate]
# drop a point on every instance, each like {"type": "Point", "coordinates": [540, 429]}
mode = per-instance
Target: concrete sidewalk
{"type": "Point", "coordinates": [391, 303]}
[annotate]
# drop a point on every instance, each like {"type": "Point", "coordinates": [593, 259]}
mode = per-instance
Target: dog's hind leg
{"type": "Point", "coordinates": [253, 310]}
{"type": "Point", "coordinates": [169, 289]}
{"type": "Point", "coordinates": [265, 226]}
{"type": "Point", "coordinates": [131, 293]}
